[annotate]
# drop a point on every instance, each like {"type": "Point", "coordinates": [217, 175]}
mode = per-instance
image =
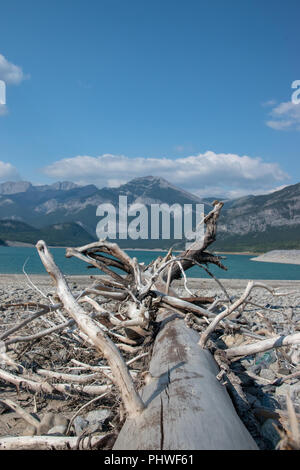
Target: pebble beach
{"type": "Point", "coordinates": [266, 377]}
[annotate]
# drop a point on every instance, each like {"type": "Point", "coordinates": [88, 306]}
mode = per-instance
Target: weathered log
{"type": "Point", "coordinates": [186, 406]}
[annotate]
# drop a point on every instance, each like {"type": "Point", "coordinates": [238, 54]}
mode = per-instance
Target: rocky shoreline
{"type": "Point", "coordinates": [265, 378]}
{"type": "Point", "coordinates": [280, 256]}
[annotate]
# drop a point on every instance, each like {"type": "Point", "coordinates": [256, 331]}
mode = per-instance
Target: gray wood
{"type": "Point", "coordinates": [187, 407]}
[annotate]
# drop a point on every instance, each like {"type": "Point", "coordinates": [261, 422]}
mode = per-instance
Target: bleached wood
{"type": "Point", "coordinates": [102, 343]}
{"type": "Point", "coordinates": [263, 345]}
{"type": "Point", "coordinates": [196, 250]}
{"type": "Point", "coordinates": [38, 314]}
{"type": "Point", "coordinates": [233, 307]}
{"type": "Point", "coordinates": [186, 406]}
{"type": "Point", "coordinates": [21, 412]}
{"type": "Point", "coordinates": [79, 379]}
{"type": "Point", "coordinates": [43, 386]}
{"type": "Point", "coordinates": [46, 442]}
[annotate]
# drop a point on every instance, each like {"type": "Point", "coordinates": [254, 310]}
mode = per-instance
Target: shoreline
{"type": "Point", "coordinates": [279, 256]}
{"type": "Point", "coordinates": [160, 250]}
{"type": "Point", "coordinates": [277, 261]}
{"type": "Point", "coordinates": [192, 280]}
{"type": "Point", "coordinates": [246, 253]}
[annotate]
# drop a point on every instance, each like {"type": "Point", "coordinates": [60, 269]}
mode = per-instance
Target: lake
{"type": "Point", "coordinates": [12, 260]}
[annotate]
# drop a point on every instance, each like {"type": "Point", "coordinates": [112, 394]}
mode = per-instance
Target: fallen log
{"type": "Point", "coordinates": [186, 407]}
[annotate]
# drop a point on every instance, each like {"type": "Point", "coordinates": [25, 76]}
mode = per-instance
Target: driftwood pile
{"type": "Point", "coordinates": [151, 354]}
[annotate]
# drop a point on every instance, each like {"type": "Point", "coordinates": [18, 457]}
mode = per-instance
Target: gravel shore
{"type": "Point", "coordinates": [43, 281]}
{"type": "Point", "coordinates": [265, 377]}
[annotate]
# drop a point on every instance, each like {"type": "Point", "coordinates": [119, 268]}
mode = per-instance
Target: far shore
{"type": "Point", "coordinates": [13, 244]}
{"type": "Point", "coordinates": [248, 253]}
{"type": "Point", "coordinates": [279, 256]}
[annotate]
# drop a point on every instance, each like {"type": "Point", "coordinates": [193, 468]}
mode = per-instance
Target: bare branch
{"type": "Point", "coordinates": [22, 413]}
{"type": "Point", "coordinates": [47, 442]}
{"type": "Point", "coordinates": [264, 345]}
{"type": "Point", "coordinates": [102, 343]}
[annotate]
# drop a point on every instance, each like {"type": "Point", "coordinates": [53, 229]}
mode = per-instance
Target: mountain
{"type": "Point", "coordinates": [69, 234]}
{"type": "Point", "coordinates": [153, 190]}
{"type": "Point", "coordinates": [12, 187]}
{"type": "Point", "coordinates": [65, 202]}
{"type": "Point", "coordinates": [270, 221]}
{"type": "Point", "coordinates": [256, 223]}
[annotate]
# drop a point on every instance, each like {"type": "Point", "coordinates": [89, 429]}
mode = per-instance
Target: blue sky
{"type": "Point", "coordinates": [198, 92]}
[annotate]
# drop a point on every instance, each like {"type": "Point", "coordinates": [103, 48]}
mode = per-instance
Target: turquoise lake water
{"type": "Point", "coordinates": [12, 260]}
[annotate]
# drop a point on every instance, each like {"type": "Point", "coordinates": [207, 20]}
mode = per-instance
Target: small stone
{"type": "Point", "coordinates": [58, 430]}
{"type": "Point", "coordinates": [228, 340]}
{"type": "Point", "coordinates": [47, 422]}
{"type": "Point", "coordinates": [256, 368]}
{"type": "Point", "coordinates": [274, 366]}
{"type": "Point", "coordinates": [289, 313]}
{"type": "Point", "coordinates": [295, 390]}
{"type": "Point", "coordinates": [269, 388]}
{"type": "Point", "coordinates": [282, 389]}
{"type": "Point", "coordinates": [283, 371]}
{"type": "Point", "coordinates": [97, 416]}
{"type": "Point", "coordinates": [29, 431]}
{"type": "Point", "coordinates": [267, 374]}
{"type": "Point", "coordinates": [266, 358]}
{"type": "Point", "coordinates": [51, 420]}
{"type": "Point", "coordinates": [60, 420]}
{"type": "Point", "coordinates": [79, 425]}
{"type": "Point", "coordinates": [295, 354]}
{"type": "Point", "coordinates": [246, 363]}
{"type": "Point", "coordinates": [270, 433]}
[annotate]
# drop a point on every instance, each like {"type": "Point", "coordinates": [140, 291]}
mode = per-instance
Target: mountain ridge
{"type": "Point", "coordinates": [268, 221]}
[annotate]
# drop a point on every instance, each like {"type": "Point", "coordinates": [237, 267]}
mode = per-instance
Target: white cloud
{"type": "Point", "coordinates": [269, 103]}
{"type": "Point", "coordinates": [208, 174]}
{"type": "Point", "coordinates": [285, 116]}
{"type": "Point", "coordinates": [3, 110]}
{"type": "Point", "coordinates": [278, 188]}
{"type": "Point", "coordinates": [10, 73]}
{"type": "Point", "coordinates": [8, 172]}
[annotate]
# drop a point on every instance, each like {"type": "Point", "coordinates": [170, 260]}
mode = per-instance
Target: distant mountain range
{"type": "Point", "coordinates": [65, 214]}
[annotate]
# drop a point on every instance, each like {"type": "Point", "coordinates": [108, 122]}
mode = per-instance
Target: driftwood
{"type": "Point", "coordinates": [48, 443]}
{"type": "Point", "coordinates": [186, 406]}
{"type": "Point", "coordinates": [183, 403]}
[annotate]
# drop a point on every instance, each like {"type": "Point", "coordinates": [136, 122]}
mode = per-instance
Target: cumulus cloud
{"type": "Point", "coordinates": [285, 116]}
{"type": "Point", "coordinates": [10, 73]}
{"type": "Point", "coordinates": [208, 173]}
{"type": "Point", "coordinates": [3, 110]}
{"type": "Point", "coordinates": [8, 172]}
{"type": "Point", "coordinates": [269, 103]}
